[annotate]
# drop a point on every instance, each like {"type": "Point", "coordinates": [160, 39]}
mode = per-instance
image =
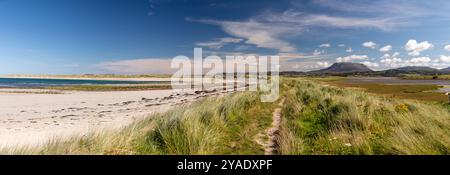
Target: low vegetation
{"type": "Point", "coordinates": [316, 119]}
{"type": "Point", "coordinates": [426, 92]}
{"type": "Point", "coordinates": [329, 120]}
{"type": "Point", "coordinates": [418, 92]}
{"type": "Point", "coordinates": [426, 77]}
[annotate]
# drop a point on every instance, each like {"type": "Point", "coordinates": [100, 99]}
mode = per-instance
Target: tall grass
{"type": "Point", "coordinates": [328, 120]}
{"type": "Point", "coordinates": [315, 120]}
{"type": "Point", "coordinates": [223, 125]}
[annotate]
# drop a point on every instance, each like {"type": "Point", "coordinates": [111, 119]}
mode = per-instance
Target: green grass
{"type": "Point", "coordinates": [404, 91]}
{"type": "Point", "coordinates": [329, 120]}
{"type": "Point", "coordinates": [426, 77]}
{"type": "Point", "coordinates": [317, 119]}
{"type": "Point", "coordinates": [418, 92]}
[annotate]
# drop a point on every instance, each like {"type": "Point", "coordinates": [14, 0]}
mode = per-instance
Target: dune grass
{"type": "Point", "coordinates": [329, 120]}
{"type": "Point", "coordinates": [316, 119]}
{"type": "Point", "coordinates": [222, 125]}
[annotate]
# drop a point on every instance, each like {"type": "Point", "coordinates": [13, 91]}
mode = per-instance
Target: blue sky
{"type": "Point", "coordinates": [141, 36]}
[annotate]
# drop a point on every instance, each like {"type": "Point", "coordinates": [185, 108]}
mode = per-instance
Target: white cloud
{"type": "Point", "coordinates": [260, 34]}
{"type": "Point", "coordinates": [390, 61]}
{"type": "Point", "coordinates": [323, 64]}
{"type": "Point", "coordinates": [351, 58]}
{"type": "Point", "coordinates": [349, 50]}
{"type": "Point", "coordinates": [396, 54]}
{"type": "Point", "coordinates": [341, 45]}
{"type": "Point", "coordinates": [219, 43]}
{"type": "Point", "coordinates": [447, 47]}
{"type": "Point", "coordinates": [420, 60]}
{"type": "Point", "coordinates": [400, 9]}
{"type": "Point", "coordinates": [386, 48]}
{"type": "Point", "coordinates": [342, 22]}
{"type": "Point", "coordinates": [369, 44]}
{"type": "Point", "coordinates": [296, 56]}
{"type": "Point", "coordinates": [414, 48]}
{"type": "Point", "coordinates": [445, 59]}
{"type": "Point", "coordinates": [318, 52]}
{"type": "Point", "coordinates": [325, 45]}
{"type": "Point", "coordinates": [386, 55]}
{"type": "Point", "coordinates": [271, 30]}
{"type": "Point", "coordinates": [137, 66]}
{"type": "Point", "coordinates": [370, 64]}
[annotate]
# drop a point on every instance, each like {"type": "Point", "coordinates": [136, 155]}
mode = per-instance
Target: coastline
{"type": "Point", "coordinates": [36, 118]}
{"type": "Point", "coordinates": [86, 78]}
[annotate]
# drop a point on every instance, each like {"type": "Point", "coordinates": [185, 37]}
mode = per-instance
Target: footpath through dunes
{"type": "Point", "coordinates": [270, 137]}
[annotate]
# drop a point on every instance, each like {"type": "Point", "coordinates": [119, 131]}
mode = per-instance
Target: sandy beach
{"type": "Point", "coordinates": [32, 116]}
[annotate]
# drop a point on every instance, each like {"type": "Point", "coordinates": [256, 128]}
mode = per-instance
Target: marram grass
{"type": "Point", "coordinates": [316, 120]}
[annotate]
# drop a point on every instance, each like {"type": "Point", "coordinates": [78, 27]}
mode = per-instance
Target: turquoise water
{"type": "Point", "coordinates": [36, 82]}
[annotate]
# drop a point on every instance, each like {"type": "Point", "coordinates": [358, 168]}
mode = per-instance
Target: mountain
{"type": "Point", "coordinates": [445, 70]}
{"type": "Point", "coordinates": [423, 70]}
{"type": "Point", "coordinates": [343, 68]}
{"type": "Point", "coordinates": [415, 68]}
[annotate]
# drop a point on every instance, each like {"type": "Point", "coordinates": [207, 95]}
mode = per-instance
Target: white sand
{"type": "Point", "coordinates": [34, 118]}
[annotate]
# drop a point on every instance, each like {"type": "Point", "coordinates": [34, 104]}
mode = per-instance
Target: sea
{"type": "Point", "coordinates": [38, 82]}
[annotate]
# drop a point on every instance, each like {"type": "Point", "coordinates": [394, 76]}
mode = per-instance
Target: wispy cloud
{"type": "Point", "coordinates": [257, 33]}
{"type": "Point", "coordinates": [323, 20]}
{"type": "Point", "coordinates": [399, 10]}
{"type": "Point", "coordinates": [219, 43]}
{"type": "Point", "coordinates": [326, 45]}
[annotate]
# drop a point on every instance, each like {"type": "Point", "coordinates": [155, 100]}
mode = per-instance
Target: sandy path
{"type": "Point", "coordinates": [271, 144]}
{"type": "Point", "coordinates": [34, 118]}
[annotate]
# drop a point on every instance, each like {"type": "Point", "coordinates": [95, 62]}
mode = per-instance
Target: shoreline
{"type": "Point", "coordinates": [30, 119]}
{"type": "Point", "coordinates": [86, 78]}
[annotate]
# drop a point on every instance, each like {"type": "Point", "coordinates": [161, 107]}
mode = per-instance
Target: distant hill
{"type": "Point", "coordinates": [423, 70]}
{"type": "Point", "coordinates": [343, 68]}
{"type": "Point", "coordinates": [445, 70]}
{"type": "Point", "coordinates": [292, 73]}
{"type": "Point", "coordinates": [416, 68]}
